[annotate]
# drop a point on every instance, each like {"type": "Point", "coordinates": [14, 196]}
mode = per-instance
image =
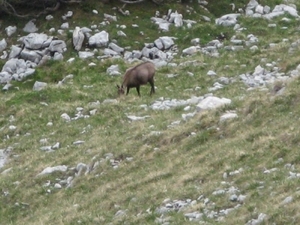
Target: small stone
{"type": "Point", "coordinates": [66, 117]}
{"type": "Point", "coordinates": [287, 200]}
{"type": "Point", "coordinates": [57, 186]}
{"type": "Point", "coordinates": [12, 127]}
{"type": "Point", "coordinates": [56, 146]}
{"type": "Point", "coordinates": [78, 142]}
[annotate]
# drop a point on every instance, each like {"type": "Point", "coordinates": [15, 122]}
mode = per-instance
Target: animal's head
{"type": "Point", "coordinates": [120, 90]}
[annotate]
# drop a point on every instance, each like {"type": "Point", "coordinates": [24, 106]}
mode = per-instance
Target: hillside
{"type": "Point", "coordinates": [216, 144]}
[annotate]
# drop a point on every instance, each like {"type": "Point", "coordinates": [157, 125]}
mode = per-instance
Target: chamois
{"type": "Point", "coordinates": [137, 76]}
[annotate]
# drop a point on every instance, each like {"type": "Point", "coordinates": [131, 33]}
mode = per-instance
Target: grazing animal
{"type": "Point", "coordinates": [137, 76]}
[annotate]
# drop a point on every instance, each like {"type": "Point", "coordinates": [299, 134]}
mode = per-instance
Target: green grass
{"type": "Point", "coordinates": [182, 162]}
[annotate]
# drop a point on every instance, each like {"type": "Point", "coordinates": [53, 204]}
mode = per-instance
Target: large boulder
{"type": "Point", "coordinates": [100, 39]}
{"type": "Point", "coordinates": [36, 41]}
{"type": "Point", "coordinates": [212, 102]}
{"type": "Point", "coordinates": [78, 38]}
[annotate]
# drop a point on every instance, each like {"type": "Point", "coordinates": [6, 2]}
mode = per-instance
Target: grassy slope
{"type": "Point", "coordinates": [184, 166]}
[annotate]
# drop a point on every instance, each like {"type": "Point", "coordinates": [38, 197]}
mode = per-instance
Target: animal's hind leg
{"type": "Point", "coordinates": [138, 90]}
{"type": "Point", "coordinates": [152, 87]}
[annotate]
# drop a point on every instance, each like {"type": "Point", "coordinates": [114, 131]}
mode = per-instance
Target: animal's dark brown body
{"type": "Point", "coordinates": [137, 76]}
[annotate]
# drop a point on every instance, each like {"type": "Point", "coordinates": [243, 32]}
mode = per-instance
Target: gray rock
{"type": "Point", "coordinates": [3, 157]}
{"type": "Point", "coordinates": [206, 18]}
{"type": "Point", "coordinates": [121, 34]}
{"type": "Point", "coordinates": [3, 44]}
{"type": "Point", "coordinates": [267, 9]}
{"type": "Point", "coordinates": [241, 198]}
{"type": "Point", "coordinates": [17, 68]}
{"type": "Point", "coordinates": [212, 102]}
{"type": "Point", "coordinates": [39, 86]}
{"type": "Point", "coordinates": [58, 46]}
{"type": "Point", "coordinates": [259, 220]}
{"type": "Point", "coordinates": [4, 55]}
{"type": "Point", "coordinates": [195, 41]}
{"type": "Point", "coordinates": [252, 4]}
{"type": "Point", "coordinates": [50, 170]}
{"type": "Point", "coordinates": [57, 56]}
{"type": "Point", "coordinates": [49, 17]}
{"type": "Point", "coordinates": [259, 9]}
{"type": "Point", "coordinates": [99, 40]}
{"type": "Point", "coordinates": [158, 43]}
{"type": "Point", "coordinates": [110, 52]}
{"type": "Point", "coordinates": [65, 117]}
{"type": "Point", "coordinates": [272, 15]}
{"type": "Point", "coordinates": [176, 18]}
{"type": "Point", "coordinates": [85, 55]}
{"type": "Point", "coordinates": [135, 118]}
{"type": "Point", "coordinates": [137, 54]}
{"type": "Point", "coordinates": [228, 116]}
{"type": "Point", "coordinates": [7, 86]}
{"type": "Point", "coordinates": [233, 198]}
{"type": "Point", "coordinates": [219, 192]}
{"type": "Point", "coordinates": [56, 145]}
{"type": "Point", "coordinates": [10, 30]}
{"type": "Point", "coordinates": [57, 186]}
{"type": "Point", "coordinates": [116, 48]}
{"type": "Point", "coordinates": [167, 42]}
{"type": "Point", "coordinates": [211, 73]}
{"type": "Point", "coordinates": [78, 38]}
{"type": "Point", "coordinates": [287, 200]}
{"type": "Point", "coordinates": [286, 8]}
{"type": "Point", "coordinates": [14, 51]}
{"type": "Point", "coordinates": [36, 41]}
{"type": "Point", "coordinates": [190, 50]}
{"type": "Point", "coordinates": [162, 24]}
{"type": "Point", "coordinates": [110, 17]}
{"type": "Point", "coordinates": [33, 56]}
{"type": "Point", "coordinates": [65, 26]}
{"type": "Point", "coordinates": [78, 142]}
{"type": "Point", "coordinates": [113, 70]}
{"type": "Point", "coordinates": [69, 14]}
{"type": "Point", "coordinates": [110, 101]}
{"type": "Point", "coordinates": [30, 27]}
{"type": "Point", "coordinates": [228, 19]}
{"type": "Point", "coordinates": [194, 216]}
{"type": "Point", "coordinates": [5, 77]}
{"type": "Point", "coordinates": [81, 169]}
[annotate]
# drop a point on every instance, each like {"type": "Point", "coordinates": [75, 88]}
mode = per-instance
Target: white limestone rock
{"type": "Point", "coordinates": [212, 102]}
{"type": "Point", "coordinates": [30, 27]}
{"type": "Point", "coordinates": [10, 30]}
{"type": "Point", "coordinates": [3, 44]}
{"type": "Point", "coordinates": [228, 19]}
{"type": "Point", "coordinates": [99, 40]}
{"type": "Point", "coordinates": [38, 86]}
{"type": "Point", "coordinates": [50, 170]}
{"type": "Point", "coordinates": [78, 38]}
{"type": "Point", "coordinates": [85, 54]}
